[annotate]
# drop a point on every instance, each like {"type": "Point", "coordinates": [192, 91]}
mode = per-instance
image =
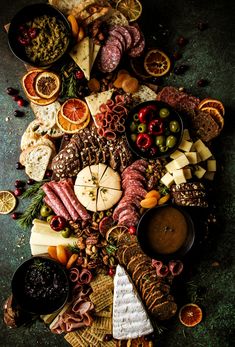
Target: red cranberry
{"type": "Point", "coordinates": [18, 113]}
{"type": "Point", "coordinates": [202, 26]}
{"type": "Point", "coordinates": [177, 55]}
{"type": "Point", "coordinates": [111, 272]}
{"type": "Point", "coordinates": [18, 191]}
{"type": "Point", "coordinates": [48, 173]}
{"type": "Point", "coordinates": [132, 230]}
{"type": "Point", "coordinates": [12, 91]}
{"type": "Point", "coordinates": [19, 183]}
{"type": "Point", "coordinates": [16, 97]}
{"type": "Point", "coordinates": [182, 41]}
{"type": "Point", "coordinates": [79, 75]}
{"type": "Point", "coordinates": [202, 82]}
{"type": "Point", "coordinates": [32, 32]}
{"type": "Point", "coordinates": [15, 215]}
{"type": "Point", "coordinates": [19, 166]}
{"type": "Point", "coordinates": [21, 102]}
{"type": "Point", "coordinates": [30, 181]}
{"type": "Point", "coordinates": [108, 337]}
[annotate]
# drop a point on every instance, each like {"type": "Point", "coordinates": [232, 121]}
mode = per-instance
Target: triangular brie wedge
{"type": "Point", "coordinates": [109, 196]}
{"type": "Point", "coordinates": [87, 196]}
{"type": "Point", "coordinates": [130, 319]}
{"type": "Point", "coordinates": [81, 55]}
{"type": "Point", "coordinates": [96, 49]}
{"type": "Point", "coordinates": [84, 178]}
{"type": "Point", "coordinates": [94, 102]}
{"type": "Point", "coordinates": [102, 169]}
{"type": "Point", "coordinates": [95, 173]}
{"type": "Point", "coordinates": [110, 179]}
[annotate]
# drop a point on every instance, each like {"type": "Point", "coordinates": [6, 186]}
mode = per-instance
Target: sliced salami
{"type": "Point", "coordinates": [123, 207]}
{"type": "Point", "coordinates": [54, 202]}
{"type": "Point", "coordinates": [129, 220]}
{"type": "Point", "coordinates": [110, 57]}
{"type": "Point", "coordinates": [114, 41]}
{"type": "Point", "coordinates": [105, 224]}
{"type": "Point", "coordinates": [138, 49]}
{"type": "Point", "coordinates": [140, 191]}
{"type": "Point", "coordinates": [135, 34]}
{"type": "Point", "coordinates": [126, 35]}
{"type": "Point", "coordinates": [118, 35]}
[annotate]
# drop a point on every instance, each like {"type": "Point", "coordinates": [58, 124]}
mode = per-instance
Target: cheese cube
{"type": "Point", "coordinates": [199, 172]}
{"type": "Point", "coordinates": [181, 161]}
{"type": "Point", "coordinates": [170, 166]}
{"type": "Point", "coordinates": [199, 145]}
{"type": "Point", "coordinates": [186, 135]}
{"type": "Point", "coordinates": [205, 154]}
{"type": "Point", "coordinates": [185, 145]}
{"type": "Point", "coordinates": [179, 177]}
{"type": "Point", "coordinates": [211, 165]}
{"type": "Point", "coordinates": [209, 176]}
{"type": "Point", "coordinates": [192, 157]}
{"type": "Point", "coordinates": [187, 173]}
{"type": "Point", "coordinates": [176, 154]}
{"type": "Point", "coordinates": [167, 179]}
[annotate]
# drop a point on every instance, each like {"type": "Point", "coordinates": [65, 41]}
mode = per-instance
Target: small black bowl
{"type": "Point", "coordinates": [173, 116]}
{"type": "Point", "coordinates": [40, 285]}
{"type": "Point", "coordinates": [27, 14]}
{"type": "Point", "coordinates": [145, 243]}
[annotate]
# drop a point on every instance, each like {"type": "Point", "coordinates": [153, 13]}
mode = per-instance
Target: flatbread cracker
{"type": "Point", "coordinates": [106, 312]}
{"type": "Point", "coordinates": [102, 299]}
{"type": "Point", "coordinates": [90, 337]}
{"type": "Point", "coordinates": [101, 283]}
{"type": "Point", "coordinates": [75, 340]}
{"type": "Point", "coordinates": [112, 343]}
{"type": "Point", "coordinates": [103, 323]}
{"type": "Point", "coordinates": [100, 334]}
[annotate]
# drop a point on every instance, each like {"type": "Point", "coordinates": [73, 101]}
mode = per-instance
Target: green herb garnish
{"type": "Point", "coordinates": [30, 192]}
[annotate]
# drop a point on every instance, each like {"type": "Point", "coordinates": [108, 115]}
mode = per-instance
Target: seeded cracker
{"type": "Point", "coordinates": [75, 340]}
{"type": "Point", "coordinates": [102, 299]}
{"type": "Point", "coordinates": [90, 337]}
{"type": "Point", "coordinates": [101, 283]}
{"type": "Point", "coordinates": [103, 323]}
{"type": "Point", "coordinates": [100, 334]}
{"type": "Point", "coordinates": [107, 312]}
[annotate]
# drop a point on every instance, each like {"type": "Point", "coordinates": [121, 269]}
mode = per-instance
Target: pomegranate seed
{"type": "Point", "coordinates": [111, 272]}
{"type": "Point", "coordinates": [16, 97]}
{"type": "Point", "coordinates": [18, 192]}
{"type": "Point", "coordinates": [32, 32]}
{"type": "Point", "coordinates": [12, 91]}
{"type": "Point", "coordinates": [48, 173]}
{"type": "Point", "coordinates": [132, 230]}
{"type": "Point", "coordinates": [30, 181]}
{"type": "Point", "coordinates": [24, 41]}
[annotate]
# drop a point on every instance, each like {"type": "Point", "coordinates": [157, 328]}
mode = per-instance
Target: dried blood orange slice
{"type": "Point", "coordinates": [215, 114]}
{"type": "Point", "coordinates": [190, 315]}
{"type": "Point", "coordinates": [131, 9]}
{"type": "Point", "coordinates": [68, 127]}
{"type": "Point", "coordinates": [212, 103]}
{"type": "Point", "coordinates": [47, 84]}
{"type": "Point", "coordinates": [7, 202]}
{"type": "Point", "coordinates": [28, 82]}
{"type": "Point", "coordinates": [157, 63]}
{"type": "Point", "coordinates": [75, 111]}
{"type": "Point", "coordinates": [44, 102]}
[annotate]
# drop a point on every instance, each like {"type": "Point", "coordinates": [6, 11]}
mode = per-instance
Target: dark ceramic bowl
{"type": "Point", "coordinates": [173, 116]}
{"type": "Point", "coordinates": [27, 14]}
{"type": "Point", "coordinates": [40, 285]}
{"type": "Point", "coordinates": [147, 246]}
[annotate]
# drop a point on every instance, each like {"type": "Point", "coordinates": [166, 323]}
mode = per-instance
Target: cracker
{"type": "Point", "coordinates": [106, 312]}
{"type": "Point", "coordinates": [101, 283]}
{"type": "Point", "coordinates": [112, 343]}
{"type": "Point", "coordinates": [103, 323]}
{"type": "Point", "coordinates": [90, 337]}
{"type": "Point", "coordinates": [99, 334]}
{"type": "Point", "coordinates": [102, 299]}
{"type": "Point", "coordinates": [75, 340]}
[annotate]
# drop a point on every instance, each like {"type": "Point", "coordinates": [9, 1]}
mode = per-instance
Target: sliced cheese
{"type": "Point", "coordinates": [170, 167]}
{"type": "Point", "coordinates": [96, 50]}
{"type": "Point", "coordinates": [193, 157]}
{"type": "Point", "coordinates": [187, 173]}
{"type": "Point", "coordinates": [199, 172]}
{"type": "Point", "coordinates": [94, 169]}
{"type": "Point", "coordinates": [179, 176]}
{"type": "Point", "coordinates": [110, 197]}
{"type": "Point", "coordinates": [199, 145]}
{"type": "Point", "coordinates": [81, 55]}
{"type": "Point", "coordinates": [94, 101]}
{"type": "Point", "coordinates": [48, 238]}
{"type": "Point", "coordinates": [205, 154]}
{"type": "Point", "coordinates": [167, 179]}
{"type": "Point", "coordinates": [87, 196]}
{"type": "Point", "coordinates": [143, 94]}
{"type": "Point", "coordinates": [38, 249]}
{"type": "Point", "coordinates": [185, 145]}
{"type": "Point", "coordinates": [181, 161]}
{"type": "Point", "coordinates": [102, 169]}
{"type": "Point", "coordinates": [101, 206]}
{"type": "Point", "coordinates": [130, 319]}
{"type": "Point", "coordinates": [211, 165]}
{"type": "Point", "coordinates": [110, 179]}
{"type": "Point", "coordinates": [176, 154]}
{"type": "Point", "coordinates": [84, 178]}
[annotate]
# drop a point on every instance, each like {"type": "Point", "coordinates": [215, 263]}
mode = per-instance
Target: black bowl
{"type": "Point", "coordinates": [146, 245]}
{"type": "Point", "coordinates": [31, 294]}
{"type": "Point", "coordinates": [173, 116]}
{"type": "Point", "coordinates": [27, 14]}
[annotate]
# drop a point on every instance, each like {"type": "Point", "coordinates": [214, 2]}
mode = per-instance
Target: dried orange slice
{"type": "Point", "coordinates": [215, 114]}
{"type": "Point", "coordinates": [212, 103]}
{"type": "Point", "coordinates": [44, 102]}
{"type": "Point", "coordinates": [131, 9]}
{"type": "Point", "coordinates": [75, 111]}
{"type": "Point", "coordinates": [157, 63]}
{"type": "Point", "coordinates": [47, 84]}
{"type": "Point", "coordinates": [115, 232]}
{"type": "Point", "coordinates": [137, 65]}
{"type": "Point", "coordinates": [74, 25]}
{"type": "Point", "coordinates": [68, 127]}
{"type": "Point", "coordinates": [7, 202]}
{"type": "Point", "coordinates": [28, 82]}
{"type": "Point", "coordinates": [190, 315]}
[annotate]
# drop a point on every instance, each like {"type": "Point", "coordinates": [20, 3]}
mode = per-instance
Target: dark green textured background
{"type": "Point", "coordinates": [210, 55]}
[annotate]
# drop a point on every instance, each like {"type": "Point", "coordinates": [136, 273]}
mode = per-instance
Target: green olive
{"type": "Point", "coordinates": [49, 218]}
{"type": "Point", "coordinates": [160, 140]}
{"type": "Point", "coordinates": [171, 141]}
{"type": "Point", "coordinates": [136, 117]}
{"type": "Point", "coordinates": [164, 112]}
{"type": "Point", "coordinates": [45, 211]}
{"type": "Point", "coordinates": [133, 137]}
{"type": "Point", "coordinates": [163, 149]}
{"type": "Point", "coordinates": [174, 126]}
{"type": "Point", "coordinates": [142, 128]}
{"type": "Point", "coordinates": [133, 127]}
{"type": "Point", "coordinates": [66, 232]}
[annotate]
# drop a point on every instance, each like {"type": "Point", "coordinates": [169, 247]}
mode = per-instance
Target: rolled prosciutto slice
{"type": "Point", "coordinates": [54, 202]}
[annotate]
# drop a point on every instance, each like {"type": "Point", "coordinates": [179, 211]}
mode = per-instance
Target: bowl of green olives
{"type": "Point", "coordinates": [153, 129]}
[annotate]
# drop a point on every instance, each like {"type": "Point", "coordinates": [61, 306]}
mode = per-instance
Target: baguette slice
{"type": "Point", "coordinates": [41, 141]}
{"type": "Point", "coordinates": [46, 114]}
{"type": "Point", "coordinates": [37, 161]}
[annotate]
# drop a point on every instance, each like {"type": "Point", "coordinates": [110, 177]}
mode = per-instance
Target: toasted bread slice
{"type": "Point", "coordinates": [41, 141]}
{"type": "Point", "coordinates": [64, 6]}
{"type": "Point", "coordinates": [96, 16]}
{"type": "Point", "coordinates": [46, 114]}
{"type": "Point", "coordinates": [37, 161]}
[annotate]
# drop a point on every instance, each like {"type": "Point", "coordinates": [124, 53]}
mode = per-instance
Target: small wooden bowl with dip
{"type": "Point", "coordinates": [166, 232]}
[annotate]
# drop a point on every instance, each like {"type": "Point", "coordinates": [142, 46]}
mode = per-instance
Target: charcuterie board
{"type": "Point", "coordinates": [91, 208]}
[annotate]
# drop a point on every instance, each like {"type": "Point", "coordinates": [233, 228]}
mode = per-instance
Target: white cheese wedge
{"type": "Point", "coordinates": [84, 178]}
{"type": "Point", "coordinates": [211, 165]}
{"type": "Point", "coordinates": [49, 238]}
{"type": "Point", "coordinates": [81, 55]}
{"type": "Point", "coordinates": [110, 179]}
{"type": "Point", "coordinates": [205, 154]}
{"type": "Point", "coordinates": [130, 319]}
{"type": "Point", "coordinates": [110, 197]}
{"type": "Point", "coordinates": [102, 169]}
{"type": "Point", "coordinates": [144, 94]}
{"type": "Point", "coordinates": [95, 173]}
{"type": "Point", "coordinates": [96, 50]}
{"type": "Point", "coordinates": [199, 172]}
{"type": "Point", "coordinates": [179, 177]}
{"type": "Point", "coordinates": [199, 145]}
{"type": "Point", "coordinates": [185, 145]}
{"type": "Point", "coordinates": [94, 101]}
{"type": "Point", "coordinates": [181, 161]}
{"type": "Point", "coordinates": [167, 179]}
{"type": "Point", "coordinates": [101, 206]}
{"type": "Point", "coordinates": [87, 196]}
{"type": "Point", "coordinates": [38, 249]}
{"type": "Point", "coordinates": [176, 154]}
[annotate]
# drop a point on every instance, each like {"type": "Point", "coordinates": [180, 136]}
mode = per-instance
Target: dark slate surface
{"type": "Point", "coordinates": [209, 55]}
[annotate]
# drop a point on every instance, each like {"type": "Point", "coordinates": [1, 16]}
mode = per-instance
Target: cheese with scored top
{"type": "Point", "coordinates": [81, 55]}
{"type": "Point", "coordinates": [94, 101]}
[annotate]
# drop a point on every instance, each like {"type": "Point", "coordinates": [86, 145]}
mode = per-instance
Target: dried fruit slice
{"type": "Point", "coordinates": [115, 232]}
{"type": "Point", "coordinates": [7, 202]}
{"type": "Point", "coordinates": [74, 25]}
{"type": "Point", "coordinates": [212, 103]}
{"type": "Point", "coordinates": [47, 84]}
{"type": "Point", "coordinates": [44, 102]}
{"type": "Point", "coordinates": [28, 82]}
{"type": "Point", "coordinates": [215, 114]}
{"type": "Point", "coordinates": [157, 63]}
{"type": "Point", "coordinates": [190, 315]}
{"type": "Point", "coordinates": [75, 111]}
{"type": "Point", "coordinates": [131, 9]}
{"type": "Point", "coordinates": [69, 127]}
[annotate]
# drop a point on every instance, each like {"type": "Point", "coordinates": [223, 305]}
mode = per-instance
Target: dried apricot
{"type": "Point", "coordinates": [148, 203]}
{"type": "Point", "coordinates": [130, 85]}
{"type": "Point", "coordinates": [120, 79]}
{"type": "Point", "coordinates": [61, 254]}
{"type": "Point", "coordinates": [71, 261]}
{"type": "Point", "coordinates": [164, 199]}
{"type": "Point", "coordinates": [94, 85]}
{"type": "Point", "coordinates": [153, 194]}
{"type": "Point", "coordinates": [122, 72]}
{"type": "Point", "coordinates": [51, 250]}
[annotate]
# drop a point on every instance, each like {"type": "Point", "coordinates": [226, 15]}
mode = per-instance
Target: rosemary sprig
{"type": "Point", "coordinates": [111, 249]}
{"type": "Point", "coordinates": [32, 210]}
{"type": "Point", "coordinates": [30, 192]}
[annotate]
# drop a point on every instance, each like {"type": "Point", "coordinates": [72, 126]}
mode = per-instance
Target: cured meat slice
{"type": "Point", "coordinates": [63, 197]}
{"type": "Point", "coordinates": [129, 220]}
{"type": "Point", "coordinates": [133, 175]}
{"type": "Point", "coordinates": [54, 202]}
{"type": "Point", "coordinates": [118, 35]}
{"type": "Point", "coordinates": [127, 36]}
{"type": "Point", "coordinates": [138, 190]}
{"type": "Point", "coordinates": [114, 41]}
{"type": "Point", "coordinates": [110, 57]}
{"type": "Point", "coordinates": [138, 49]}
{"type": "Point", "coordinates": [135, 34]}
{"type": "Point", "coordinates": [123, 207]}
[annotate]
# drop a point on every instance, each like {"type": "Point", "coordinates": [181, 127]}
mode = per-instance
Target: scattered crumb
{"type": "Point", "coordinates": [7, 119]}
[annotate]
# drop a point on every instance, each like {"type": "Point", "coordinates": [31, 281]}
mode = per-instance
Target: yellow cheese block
{"type": "Point", "coordinates": [42, 237]}
{"type": "Point", "coordinates": [94, 101]}
{"type": "Point", "coordinates": [81, 55]}
{"type": "Point", "coordinates": [96, 49]}
{"type": "Point", "coordinates": [167, 179]}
